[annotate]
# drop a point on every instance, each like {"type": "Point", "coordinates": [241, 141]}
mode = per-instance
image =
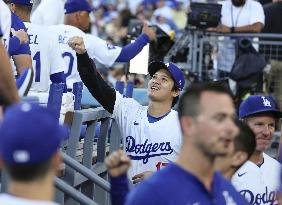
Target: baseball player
{"type": "Point", "coordinates": [258, 179]}
{"type": "Point", "coordinates": [5, 21]}
{"type": "Point", "coordinates": [151, 135]}
{"type": "Point", "coordinates": [47, 62]}
{"type": "Point", "coordinates": [30, 157]}
{"type": "Point", "coordinates": [206, 113]}
{"type": "Point", "coordinates": [8, 90]}
{"type": "Point", "coordinates": [240, 151]}
{"type": "Point", "coordinates": [97, 48]}
{"type": "Point", "coordinates": [49, 12]}
{"type": "Point", "coordinates": [243, 147]}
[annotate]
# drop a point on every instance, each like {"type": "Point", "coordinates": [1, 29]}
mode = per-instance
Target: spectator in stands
{"type": "Point", "coordinates": [239, 152]}
{"type": "Point", "coordinates": [254, 179]}
{"type": "Point", "coordinates": [237, 16]}
{"type": "Point", "coordinates": [30, 138]}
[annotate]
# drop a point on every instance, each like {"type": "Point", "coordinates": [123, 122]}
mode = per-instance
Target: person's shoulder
{"type": "Point", "coordinates": [124, 99]}
{"type": "Point", "coordinates": [246, 172]}
{"type": "Point", "coordinates": [271, 161]}
{"type": "Point", "coordinates": [254, 3]}
{"type": "Point", "coordinates": [151, 190]}
{"type": "Point", "coordinates": [228, 190]}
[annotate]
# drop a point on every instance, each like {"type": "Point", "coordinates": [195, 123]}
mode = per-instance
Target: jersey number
{"type": "Point", "coordinates": [160, 164]}
{"type": "Point", "coordinates": [71, 59]}
{"type": "Point", "coordinates": [36, 58]}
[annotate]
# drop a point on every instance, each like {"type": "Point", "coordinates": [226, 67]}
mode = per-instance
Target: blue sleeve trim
{"type": "Point", "coordinates": [131, 50]}
{"type": "Point", "coordinates": [59, 78]}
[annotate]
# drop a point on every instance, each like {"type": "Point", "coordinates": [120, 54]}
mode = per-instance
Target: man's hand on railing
{"type": "Point", "coordinates": [117, 163]}
{"type": "Point", "coordinates": [220, 29]}
{"type": "Point", "coordinates": [77, 44]}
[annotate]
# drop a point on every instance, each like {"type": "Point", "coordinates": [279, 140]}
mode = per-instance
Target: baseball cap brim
{"type": "Point", "coordinates": [276, 114]}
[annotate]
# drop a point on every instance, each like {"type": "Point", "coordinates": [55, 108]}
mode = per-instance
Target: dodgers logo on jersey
{"type": "Point", "coordinates": [110, 47]}
{"type": "Point", "coordinates": [259, 199]}
{"type": "Point", "coordinates": [146, 150]}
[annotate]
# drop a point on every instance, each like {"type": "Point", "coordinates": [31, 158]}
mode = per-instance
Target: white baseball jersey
{"type": "Point", "coordinates": [46, 56]}
{"type": "Point", "coordinates": [150, 145]}
{"type": "Point", "coordinates": [49, 12]}
{"type": "Point", "coordinates": [7, 199]}
{"type": "Point", "coordinates": [5, 22]}
{"type": "Point", "coordinates": [96, 48]}
{"type": "Point", "coordinates": [258, 184]}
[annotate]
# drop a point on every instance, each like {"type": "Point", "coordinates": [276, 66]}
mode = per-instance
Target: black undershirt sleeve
{"type": "Point", "coordinates": [99, 89]}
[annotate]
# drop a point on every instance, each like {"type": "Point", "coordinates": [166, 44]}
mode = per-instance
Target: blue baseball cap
{"type": "Point", "coordinates": [256, 104]}
{"type": "Point", "coordinates": [72, 6]}
{"type": "Point", "coordinates": [176, 73]}
{"type": "Point", "coordinates": [22, 2]}
{"type": "Point", "coordinates": [30, 134]}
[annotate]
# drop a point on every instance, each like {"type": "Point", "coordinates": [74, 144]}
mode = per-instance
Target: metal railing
{"type": "Point", "coordinates": [85, 181]}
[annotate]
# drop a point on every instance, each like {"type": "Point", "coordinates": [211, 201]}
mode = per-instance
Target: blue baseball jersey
{"type": "Point", "coordinates": [174, 185]}
{"type": "Point", "coordinates": [5, 23]}
{"type": "Point", "coordinates": [18, 24]}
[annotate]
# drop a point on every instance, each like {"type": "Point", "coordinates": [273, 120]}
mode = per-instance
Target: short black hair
{"type": "Point", "coordinates": [246, 139]}
{"type": "Point", "coordinates": [175, 99]}
{"type": "Point", "coordinates": [190, 99]}
{"type": "Point", "coordinates": [24, 9]}
{"type": "Point", "coordinates": [28, 173]}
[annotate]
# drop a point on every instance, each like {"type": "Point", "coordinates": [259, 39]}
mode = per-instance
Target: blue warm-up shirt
{"type": "Point", "coordinates": [173, 185]}
{"type": "Point", "coordinates": [15, 48]}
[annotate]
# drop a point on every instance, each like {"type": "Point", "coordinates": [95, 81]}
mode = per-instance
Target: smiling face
{"type": "Point", "coordinates": [160, 87]}
{"type": "Point", "coordinates": [263, 126]}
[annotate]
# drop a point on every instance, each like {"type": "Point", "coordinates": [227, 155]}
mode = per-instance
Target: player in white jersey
{"type": "Point", "coordinates": [258, 179]}
{"type": "Point", "coordinates": [49, 12]}
{"type": "Point", "coordinates": [5, 22]}
{"type": "Point", "coordinates": [151, 134]}
{"type": "Point", "coordinates": [46, 55]}
{"type": "Point", "coordinates": [96, 47]}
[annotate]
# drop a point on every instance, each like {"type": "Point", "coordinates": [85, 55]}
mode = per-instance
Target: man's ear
{"type": "Point", "coordinates": [187, 124]}
{"type": "Point", "coordinates": [12, 7]}
{"type": "Point", "coordinates": [56, 161]}
{"type": "Point", "coordinates": [239, 158]}
{"type": "Point", "coordinates": [176, 93]}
